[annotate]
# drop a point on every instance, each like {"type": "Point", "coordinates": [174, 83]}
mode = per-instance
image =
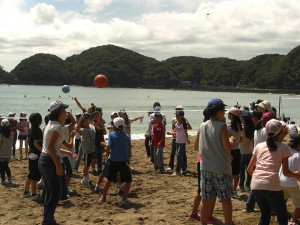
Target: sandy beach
{"type": "Point", "coordinates": [155, 198]}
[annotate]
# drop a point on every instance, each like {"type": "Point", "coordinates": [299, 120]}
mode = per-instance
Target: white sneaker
{"type": "Point", "coordinates": [8, 182]}
{"type": "Point", "coordinates": [169, 169]}
{"type": "Point", "coordinates": [13, 158]}
{"type": "Point", "coordinates": [175, 174]}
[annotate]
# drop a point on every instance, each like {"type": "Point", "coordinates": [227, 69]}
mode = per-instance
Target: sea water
{"type": "Point", "coordinates": [137, 102]}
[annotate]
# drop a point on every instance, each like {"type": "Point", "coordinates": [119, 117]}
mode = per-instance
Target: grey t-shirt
{"type": "Point", "coordinates": [214, 158]}
{"type": "Point", "coordinates": [236, 135]}
{"type": "Point", "coordinates": [88, 139]}
{"type": "Point", "coordinates": [5, 150]}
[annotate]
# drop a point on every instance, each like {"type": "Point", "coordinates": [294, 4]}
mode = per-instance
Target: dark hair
{"type": "Point", "coordinates": [35, 119]}
{"type": "Point", "coordinates": [259, 125]}
{"type": "Point", "coordinates": [53, 116]}
{"type": "Point", "coordinates": [271, 143]}
{"type": "Point", "coordinates": [156, 104]}
{"type": "Point", "coordinates": [248, 127]}
{"type": "Point", "coordinates": [46, 119]}
{"type": "Point", "coordinates": [206, 115]}
{"type": "Point", "coordinates": [236, 123]}
{"type": "Point", "coordinates": [5, 131]}
{"type": "Point", "coordinates": [213, 111]}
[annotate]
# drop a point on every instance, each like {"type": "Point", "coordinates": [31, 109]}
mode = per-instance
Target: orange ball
{"type": "Point", "coordinates": [100, 81]}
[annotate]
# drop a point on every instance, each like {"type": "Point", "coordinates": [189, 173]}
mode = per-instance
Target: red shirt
{"type": "Point", "coordinates": [158, 135]}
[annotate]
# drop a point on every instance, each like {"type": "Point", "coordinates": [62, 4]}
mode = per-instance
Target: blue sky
{"type": "Point", "coordinates": [238, 29]}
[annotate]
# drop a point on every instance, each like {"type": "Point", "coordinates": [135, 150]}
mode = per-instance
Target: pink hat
{"type": "Point", "coordinates": [274, 127]}
{"type": "Point", "coordinates": [235, 111]}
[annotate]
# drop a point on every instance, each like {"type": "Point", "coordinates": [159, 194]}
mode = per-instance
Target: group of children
{"type": "Point", "coordinates": [248, 153]}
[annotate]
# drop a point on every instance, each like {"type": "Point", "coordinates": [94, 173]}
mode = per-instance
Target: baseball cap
{"type": "Point", "coordinates": [23, 114]}
{"type": "Point", "coordinates": [267, 116]}
{"type": "Point", "coordinates": [2, 116]}
{"type": "Point", "coordinates": [294, 141]}
{"type": "Point", "coordinates": [265, 105]}
{"type": "Point", "coordinates": [113, 113]}
{"type": "Point", "coordinates": [246, 113]}
{"type": "Point", "coordinates": [274, 127]}
{"type": "Point", "coordinates": [119, 123]}
{"type": "Point", "coordinates": [156, 104]}
{"type": "Point", "coordinates": [57, 105]}
{"type": "Point", "coordinates": [5, 123]}
{"type": "Point", "coordinates": [122, 111]}
{"type": "Point", "coordinates": [234, 111]}
{"type": "Point", "coordinates": [215, 103]}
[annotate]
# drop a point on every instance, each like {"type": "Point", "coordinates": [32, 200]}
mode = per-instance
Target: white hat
{"type": "Point", "coordinates": [119, 123]}
{"type": "Point", "coordinates": [56, 105]}
{"type": "Point", "coordinates": [274, 127]}
{"type": "Point", "coordinates": [265, 105]}
{"type": "Point", "coordinates": [2, 116]}
{"type": "Point", "coordinates": [113, 113]}
{"type": "Point", "coordinates": [5, 123]}
{"type": "Point", "coordinates": [11, 114]}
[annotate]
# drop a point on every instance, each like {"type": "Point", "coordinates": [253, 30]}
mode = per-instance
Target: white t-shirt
{"type": "Point", "coordinates": [53, 126]}
{"type": "Point", "coordinates": [66, 135]}
{"type": "Point", "coordinates": [174, 121]}
{"type": "Point", "coordinates": [260, 136]}
{"type": "Point", "coordinates": [292, 129]}
{"type": "Point", "coordinates": [246, 145]}
{"type": "Point", "coordinates": [294, 165]}
{"type": "Point", "coordinates": [181, 137]}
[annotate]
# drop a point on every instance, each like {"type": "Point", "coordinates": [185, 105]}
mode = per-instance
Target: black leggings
{"type": "Point", "coordinates": [4, 168]}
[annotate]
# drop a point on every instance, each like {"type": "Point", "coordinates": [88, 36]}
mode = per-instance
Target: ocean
{"type": "Point", "coordinates": [34, 98]}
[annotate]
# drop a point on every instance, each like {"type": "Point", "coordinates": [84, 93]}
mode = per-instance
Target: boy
{"type": "Point", "coordinates": [289, 184]}
{"type": "Point", "coordinates": [158, 143]}
{"type": "Point", "coordinates": [119, 146]}
{"type": "Point", "coordinates": [88, 145]}
{"type": "Point", "coordinates": [214, 148]}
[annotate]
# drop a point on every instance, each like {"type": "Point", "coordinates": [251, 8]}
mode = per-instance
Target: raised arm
{"type": "Point", "coordinates": [78, 104]}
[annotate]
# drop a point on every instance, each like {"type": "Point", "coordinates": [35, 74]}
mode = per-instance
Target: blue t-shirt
{"type": "Point", "coordinates": [119, 143]}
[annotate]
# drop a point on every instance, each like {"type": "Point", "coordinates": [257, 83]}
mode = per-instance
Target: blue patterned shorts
{"type": "Point", "coordinates": [216, 185]}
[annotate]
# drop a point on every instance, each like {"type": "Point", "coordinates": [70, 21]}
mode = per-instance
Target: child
{"type": "Point", "coordinates": [158, 142]}
{"type": "Point", "coordinates": [246, 147]}
{"type": "Point", "coordinates": [194, 214]}
{"type": "Point", "coordinates": [180, 130]}
{"type": "Point", "coordinates": [214, 148]}
{"type": "Point", "coordinates": [235, 130]}
{"type": "Point", "coordinates": [6, 141]}
{"type": "Point", "coordinates": [23, 127]}
{"type": "Point", "coordinates": [264, 168]}
{"type": "Point", "coordinates": [35, 144]}
{"type": "Point", "coordinates": [88, 133]}
{"type": "Point", "coordinates": [290, 185]}
{"type": "Point", "coordinates": [13, 128]}
{"type": "Point", "coordinates": [119, 145]}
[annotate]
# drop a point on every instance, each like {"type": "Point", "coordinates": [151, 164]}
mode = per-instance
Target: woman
{"type": "Point", "coordinates": [49, 162]}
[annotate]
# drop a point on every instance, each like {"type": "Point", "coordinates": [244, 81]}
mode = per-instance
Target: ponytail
{"type": "Point", "coordinates": [271, 143]}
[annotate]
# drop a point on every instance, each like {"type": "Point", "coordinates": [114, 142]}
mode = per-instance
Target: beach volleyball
{"type": "Point", "coordinates": [100, 81]}
{"type": "Point", "coordinates": [65, 89]}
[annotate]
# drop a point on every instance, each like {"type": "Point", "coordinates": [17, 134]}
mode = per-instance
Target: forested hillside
{"type": "Point", "coordinates": [126, 68]}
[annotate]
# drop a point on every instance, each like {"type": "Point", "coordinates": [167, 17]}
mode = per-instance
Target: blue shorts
{"type": "Point", "coordinates": [214, 185]}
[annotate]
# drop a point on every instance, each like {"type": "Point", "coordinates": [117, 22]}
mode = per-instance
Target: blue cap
{"type": "Point", "coordinates": [246, 113]}
{"type": "Point", "coordinates": [215, 103]}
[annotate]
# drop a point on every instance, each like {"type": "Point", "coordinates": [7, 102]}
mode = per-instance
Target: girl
{"type": "Point", "coordinates": [264, 168]}
{"type": "Point", "coordinates": [180, 130]}
{"type": "Point", "coordinates": [35, 144]}
{"type": "Point", "coordinates": [235, 130]}
{"type": "Point", "coordinates": [246, 147]}
{"type": "Point", "coordinates": [6, 141]}
{"type": "Point", "coordinates": [128, 121]}
{"type": "Point", "coordinates": [23, 127]}
{"type": "Point", "coordinates": [49, 162]}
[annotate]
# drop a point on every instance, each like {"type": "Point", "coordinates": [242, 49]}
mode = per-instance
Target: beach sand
{"type": "Point", "coordinates": [155, 198]}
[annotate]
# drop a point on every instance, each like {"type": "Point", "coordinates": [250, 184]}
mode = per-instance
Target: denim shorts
{"type": "Point", "coordinates": [214, 185]}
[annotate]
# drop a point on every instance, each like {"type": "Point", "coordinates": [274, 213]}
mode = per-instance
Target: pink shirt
{"type": "Point", "coordinates": [266, 173]}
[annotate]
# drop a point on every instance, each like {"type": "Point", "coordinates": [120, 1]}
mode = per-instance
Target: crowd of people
{"type": "Point", "coordinates": [246, 153]}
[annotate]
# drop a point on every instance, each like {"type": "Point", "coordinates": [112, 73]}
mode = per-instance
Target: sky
{"type": "Point", "coordinates": [237, 29]}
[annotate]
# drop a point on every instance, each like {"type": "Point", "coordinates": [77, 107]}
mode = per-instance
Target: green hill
{"type": "Point", "coordinates": [126, 68]}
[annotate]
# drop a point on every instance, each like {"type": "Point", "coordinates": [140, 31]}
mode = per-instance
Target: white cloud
{"type": "Point", "coordinates": [96, 5]}
{"type": "Point", "coordinates": [43, 13]}
{"type": "Point", "coordinates": [238, 29]}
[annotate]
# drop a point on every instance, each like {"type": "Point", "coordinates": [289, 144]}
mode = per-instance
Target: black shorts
{"type": "Point", "coordinates": [199, 178]}
{"type": "Point", "coordinates": [34, 173]}
{"type": "Point", "coordinates": [88, 159]}
{"type": "Point", "coordinates": [236, 162]}
{"type": "Point", "coordinates": [22, 137]}
{"type": "Point", "coordinates": [119, 167]}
